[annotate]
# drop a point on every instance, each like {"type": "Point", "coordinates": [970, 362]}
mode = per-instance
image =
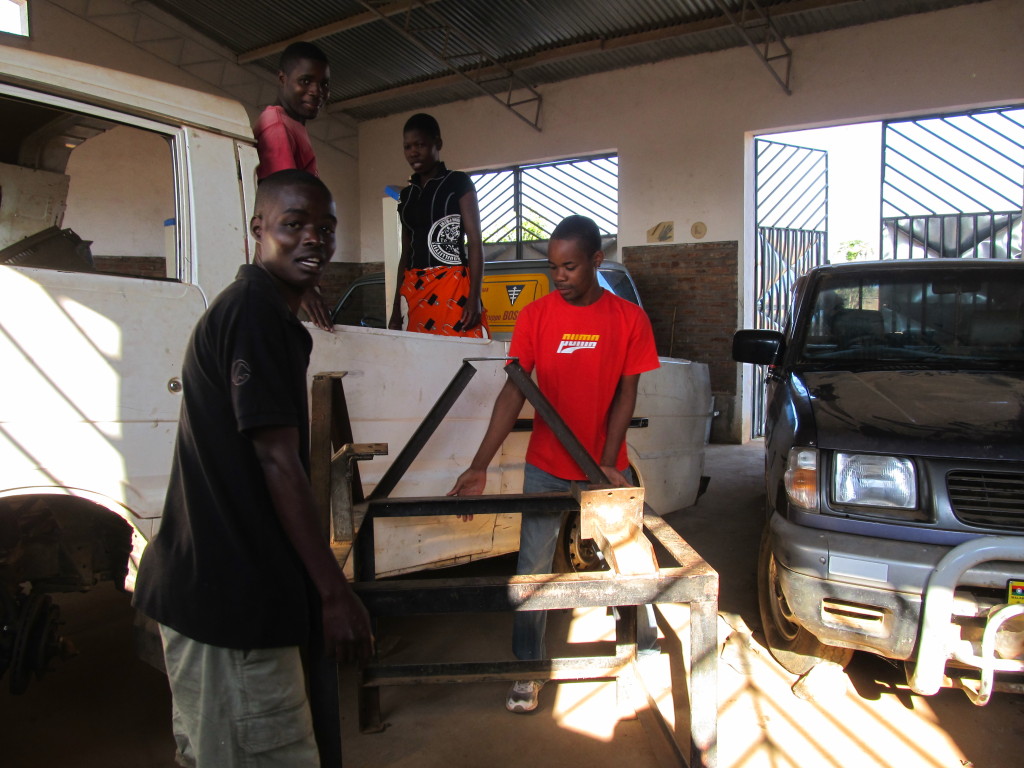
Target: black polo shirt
{"type": "Point", "coordinates": [221, 570]}
{"type": "Point", "coordinates": [431, 212]}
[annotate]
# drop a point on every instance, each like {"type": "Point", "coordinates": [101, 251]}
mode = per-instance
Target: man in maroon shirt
{"type": "Point", "coordinates": [282, 142]}
{"type": "Point", "coordinates": [304, 85]}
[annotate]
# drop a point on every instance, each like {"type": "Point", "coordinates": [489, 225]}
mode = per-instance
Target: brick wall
{"type": "Point", "coordinates": [691, 292]}
{"type": "Point", "coordinates": [136, 266]}
{"type": "Point", "coordinates": [340, 274]}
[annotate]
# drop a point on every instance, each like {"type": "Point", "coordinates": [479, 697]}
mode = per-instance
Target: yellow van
{"type": "Point", "coordinates": [508, 286]}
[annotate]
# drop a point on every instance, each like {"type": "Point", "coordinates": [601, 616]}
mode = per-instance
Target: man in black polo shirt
{"type": "Point", "coordinates": [239, 572]}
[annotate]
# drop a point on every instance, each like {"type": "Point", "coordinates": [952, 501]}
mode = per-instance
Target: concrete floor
{"type": "Point", "coordinates": [105, 708]}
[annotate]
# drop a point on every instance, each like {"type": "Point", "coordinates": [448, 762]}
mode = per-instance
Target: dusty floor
{"type": "Point", "coordinates": [104, 708]}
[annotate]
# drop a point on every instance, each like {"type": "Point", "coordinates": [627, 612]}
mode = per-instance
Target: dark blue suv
{"type": "Point", "coordinates": [894, 470]}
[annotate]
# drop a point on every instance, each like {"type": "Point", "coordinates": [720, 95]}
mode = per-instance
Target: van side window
{"type": "Point", "coordinates": [84, 194]}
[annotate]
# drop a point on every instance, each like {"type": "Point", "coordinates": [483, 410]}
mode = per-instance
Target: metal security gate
{"type": "Point", "coordinates": [792, 215]}
{"type": "Point", "coordinates": [953, 186]}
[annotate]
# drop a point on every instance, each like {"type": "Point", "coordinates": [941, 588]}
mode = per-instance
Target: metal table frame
{"type": "Point", "coordinates": [349, 526]}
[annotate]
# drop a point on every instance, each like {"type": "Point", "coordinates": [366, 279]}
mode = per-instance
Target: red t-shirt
{"type": "Point", "coordinates": [282, 142]}
{"type": "Point", "coordinates": [580, 353]}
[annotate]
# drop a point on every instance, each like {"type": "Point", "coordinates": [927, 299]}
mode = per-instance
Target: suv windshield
{"type": "Point", "coordinates": [952, 317]}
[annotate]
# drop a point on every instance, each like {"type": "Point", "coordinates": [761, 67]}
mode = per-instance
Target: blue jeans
{"type": "Point", "coordinates": [537, 540]}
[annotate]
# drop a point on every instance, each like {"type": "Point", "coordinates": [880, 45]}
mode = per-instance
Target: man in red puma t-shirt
{"type": "Point", "coordinates": [588, 348]}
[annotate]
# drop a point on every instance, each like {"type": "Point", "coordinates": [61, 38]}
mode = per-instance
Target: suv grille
{"type": "Point", "coordinates": [989, 499]}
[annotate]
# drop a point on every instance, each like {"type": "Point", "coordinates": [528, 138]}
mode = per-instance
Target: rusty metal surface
{"type": "Point", "coordinates": [540, 592]}
{"type": "Point", "coordinates": [614, 519]}
{"type": "Point", "coordinates": [693, 582]}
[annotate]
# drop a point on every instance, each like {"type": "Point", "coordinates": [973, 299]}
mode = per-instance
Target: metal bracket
{"type": "Point", "coordinates": [343, 473]}
{"type": "Point", "coordinates": [429, 31]}
{"type": "Point", "coordinates": [614, 519]}
{"type": "Point", "coordinates": [753, 21]}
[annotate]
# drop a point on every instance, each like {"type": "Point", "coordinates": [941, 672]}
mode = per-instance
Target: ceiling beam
{"type": "Point", "coordinates": [766, 40]}
{"type": "Point", "coordinates": [575, 50]}
{"type": "Point", "coordinates": [334, 28]}
{"type": "Point", "coordinates": [456, 47]}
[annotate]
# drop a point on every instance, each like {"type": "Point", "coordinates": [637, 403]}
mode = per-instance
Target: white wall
{"type": "Point", "coordinates": [682, 127]}
{"type": "Point", "coordinates": [122, 191]}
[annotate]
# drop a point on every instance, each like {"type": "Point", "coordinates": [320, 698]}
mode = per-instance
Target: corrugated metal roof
{"type": "Point", "coordinates": [539, 39]}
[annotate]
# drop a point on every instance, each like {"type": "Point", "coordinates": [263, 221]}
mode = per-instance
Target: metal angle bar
{"type": "Point", "coordinates": [411, 34]}
{"type": "Point", "coordinates": [741, 26]}
{"type": "Point", "coordinates": [578, 668]}
{"type": "Point", "coordinates": [423, 432]}
{"type": "Point", "coordinates": [439, 506]}
{"type": "Point", "coordinates": [547, 412]}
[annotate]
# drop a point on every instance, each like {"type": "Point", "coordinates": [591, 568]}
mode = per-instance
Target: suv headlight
{"type": "Point", "coordinates": [801, 478]}
{"type": "Point", "coordinates": [875, 481]}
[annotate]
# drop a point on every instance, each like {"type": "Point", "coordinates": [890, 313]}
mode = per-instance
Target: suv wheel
{"type": "Point", "coordinates": [796, 649]}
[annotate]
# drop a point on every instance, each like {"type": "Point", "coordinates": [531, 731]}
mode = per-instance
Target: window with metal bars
{"type": "Point", "coordinates": [524, 203]}
{"type": "Point", "coordinates": [952, 185]}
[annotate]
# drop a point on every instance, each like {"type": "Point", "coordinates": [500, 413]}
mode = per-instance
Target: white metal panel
{"type": "Point", "coordinates": [84, 399]}
{"type": "Point", "coordinates": [135, 95]}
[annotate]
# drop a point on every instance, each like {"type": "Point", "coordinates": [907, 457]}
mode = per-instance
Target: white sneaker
{"type": "Point", "coordinates": [523, 695]}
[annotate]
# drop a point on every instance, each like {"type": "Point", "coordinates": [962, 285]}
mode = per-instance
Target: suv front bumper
{"type": "Point", "coordinates": [867, 593]}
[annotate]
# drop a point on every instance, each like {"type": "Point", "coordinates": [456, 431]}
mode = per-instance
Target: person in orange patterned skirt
{"type": "Point", "coordinates": [440, 215]}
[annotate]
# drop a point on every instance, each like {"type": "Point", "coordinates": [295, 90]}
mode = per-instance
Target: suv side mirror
{"type": "Point", "coordinates": [756, 346]}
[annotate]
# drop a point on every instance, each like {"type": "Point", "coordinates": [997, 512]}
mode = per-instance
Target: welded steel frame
{"type": "Point", "coordinates": [691, 580]}
{"type": "Point", "coordinates": [464, 56]}
{"type": "Point", "coordinates": [760, 33]}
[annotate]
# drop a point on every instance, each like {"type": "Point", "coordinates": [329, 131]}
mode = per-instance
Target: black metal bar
{"type": "Point", "coordinates": [324, 706]}
{"type": "Point", "coordinates": [370, 720]}
{"type": "Point", "coordinates": [510, 503]}
{"type": "Point", "coordinates": [322, 672]}
{"type": "Point", "coordinates": [580, 668]}
{"type": "Point", "coordinates": [364, 565]}
{"type": "Point", "coordinates": [424, 431]}
{"type": "Point", "coordinates": [565, 436]}
{"type": "Point", "coordinates": [341, 433]}
{"type": "Point", "coordinates": [320, 450]}
{"type": "Point", "coordinates": [526, 425]}
{"type": "Point", "coordinates": [517, 202]}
